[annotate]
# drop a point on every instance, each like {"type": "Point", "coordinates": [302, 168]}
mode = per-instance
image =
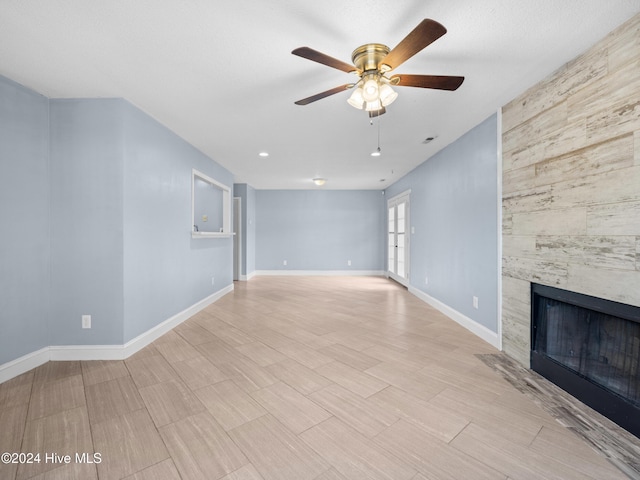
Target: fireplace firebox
{"type": "Point", "coordinates": [589, 347]}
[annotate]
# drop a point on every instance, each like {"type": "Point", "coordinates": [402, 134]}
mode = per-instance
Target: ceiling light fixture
{"type": "Point", "coordinates": [319, 181]}
{"type": "Point", "coordinates": [372, 94]}
{"type": "Point", "coordinates": [264, 154]}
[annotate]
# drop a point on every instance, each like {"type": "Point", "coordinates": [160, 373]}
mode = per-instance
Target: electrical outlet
{"type": "Point", "coordinates": [475, 302]}
{"type": "Point", "coordinates": [349, 263]}
{"type": "Point", "coordinates": [284, 262]}
{"type": "Point", "coordinates": [86, 321]}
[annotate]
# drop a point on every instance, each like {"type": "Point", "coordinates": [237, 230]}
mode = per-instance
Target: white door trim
{"type": "Point", "coordinates": [237, 239]}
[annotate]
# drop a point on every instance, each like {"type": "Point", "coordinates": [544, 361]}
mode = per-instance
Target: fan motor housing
{"type": "Point", "coordinates": [368, 57]}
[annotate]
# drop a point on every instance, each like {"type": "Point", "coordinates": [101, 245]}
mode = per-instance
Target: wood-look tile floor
{"type": "Point", "coordinates": [293, 378]}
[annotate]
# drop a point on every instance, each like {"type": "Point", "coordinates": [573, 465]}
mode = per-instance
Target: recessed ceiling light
{"type": "Point", "coordinates": [319, 181]}
{"type": "Point", "coordinates": [264, 154]}
{"type": "Point", "coordinates": [377, 153]}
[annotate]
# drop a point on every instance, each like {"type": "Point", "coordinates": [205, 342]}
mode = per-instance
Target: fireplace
{"type": "Point", "coordinates": [589, 347]}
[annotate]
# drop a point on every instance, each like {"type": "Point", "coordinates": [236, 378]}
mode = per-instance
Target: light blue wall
{"type": "Point", "coordinates": [319, 230]}
{"type": "Point", "coordinates": [95, 212]}
{"type": "Point", "coordinates": [165, 270]}
{"type": "Point", "coordinates": [86, 221]}
{"type": "Point", "coordinates": [24, 221]}
{"type": "Point", "coordinates": [247, 195]}
{"type": "Point", "coordinates": [454, 199]}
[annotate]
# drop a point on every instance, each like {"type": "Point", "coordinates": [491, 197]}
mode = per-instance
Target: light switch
{"type": "Point", "coordinates": [205, 218]}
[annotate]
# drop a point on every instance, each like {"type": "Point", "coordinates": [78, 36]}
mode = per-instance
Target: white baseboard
{"type": "Point", "coordinates": [323, 273]}
{"type": "Point", "coordinates": [474, 327]}
{"type": "Point", "coordinates": [27, 362]}
{"type": "Point", "coordinates": [246, 278]}
{"type": "Point", "coordinates": [156, 332]}
{"type": "Point", "coordinates": [23, 364]}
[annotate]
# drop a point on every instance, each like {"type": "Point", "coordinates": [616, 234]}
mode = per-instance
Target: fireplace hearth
{"type": "Point", "coordinates": [589, 347]}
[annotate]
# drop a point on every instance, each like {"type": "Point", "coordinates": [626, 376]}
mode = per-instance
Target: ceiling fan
{"type": "Point", "coordinates": [373, 62]}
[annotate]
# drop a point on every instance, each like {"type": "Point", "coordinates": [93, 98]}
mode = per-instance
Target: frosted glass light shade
{"type": "Point", "coordinates": [373, 106]}
{"type": "Point", "coordinates": [356, 100]}
{"type": "Point", "coordinates": [370, 90]}
{"type": "Point", "coordinates": [387, 95]}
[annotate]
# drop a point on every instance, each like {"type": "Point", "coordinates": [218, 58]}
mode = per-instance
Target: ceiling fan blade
{"type": "Point", "coordinates": [315, 56]}
{"type": "Point", "coordinates": [428, 31]}
{"type": "Point", "coordinates": [320, 96]}
{"type": "Point", "coordinates": [439, 82]}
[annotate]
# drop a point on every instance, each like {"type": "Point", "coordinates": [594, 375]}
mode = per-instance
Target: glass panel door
{"type": "Point", "coordinates": [397, 238]}
{"type": "Point", "coordinates": [391, 259]}
{"type": "Point", "coordinates": [400, 240]}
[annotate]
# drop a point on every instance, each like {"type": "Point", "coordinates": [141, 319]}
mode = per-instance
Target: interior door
{"type": "Point", "coordinates": [398, 238]}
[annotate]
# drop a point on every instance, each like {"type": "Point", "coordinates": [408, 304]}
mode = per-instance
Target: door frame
{"type": "Point", "coordinates": [237, 238]}
{"type": "Point", "coordinates": [404, 197]}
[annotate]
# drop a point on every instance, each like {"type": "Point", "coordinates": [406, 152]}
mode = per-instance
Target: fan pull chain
{"type": "Point", "coordinates": [378, 152]}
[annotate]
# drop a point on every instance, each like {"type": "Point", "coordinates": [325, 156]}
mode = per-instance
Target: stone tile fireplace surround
{"type": "Point", "coordinates": [571, 184]}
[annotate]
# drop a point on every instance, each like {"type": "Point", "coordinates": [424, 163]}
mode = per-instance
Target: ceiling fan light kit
{"type": "Point", "coordinates": [372, 91]}
{"type": "Point", "coordinates": [374, 94]}
{"type": "Point", "coordinates": [373, 61]}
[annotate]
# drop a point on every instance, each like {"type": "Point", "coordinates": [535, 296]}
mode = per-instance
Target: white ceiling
{"type": "Point", "coordinates": [221, 75]}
